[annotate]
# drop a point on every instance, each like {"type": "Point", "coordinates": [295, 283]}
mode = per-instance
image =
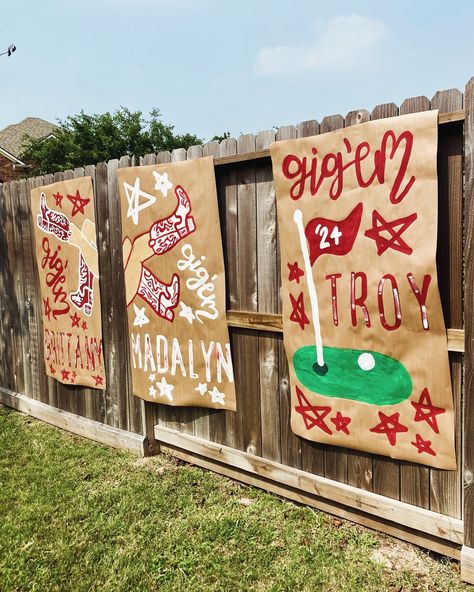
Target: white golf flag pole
{"type": "Point", "coordinates": [313, 296]}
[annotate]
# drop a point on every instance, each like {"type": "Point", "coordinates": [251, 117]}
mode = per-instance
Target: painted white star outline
{"type": "Point", "coordinates": [166, 389]}
{"type": "Point", "coordinates": [152, 391]}
{"type": "Point", "coordinates": [140, 316]}
{"type": "Point", "coordinates": [133, 193]}
{"type": "Point", "coordinates": [187, 313]}
{"type": "Point", "coordinates": [201, 388]}
{"type": "Point", "coordinates": [217, 396]}
{"type": "Point", "coordinates": [162, 183]}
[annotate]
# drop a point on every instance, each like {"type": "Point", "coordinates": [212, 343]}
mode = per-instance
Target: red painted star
{"type": "Point", "coordinates": [78, 203]}
{"type": "Point", "coordinates": [75, 318]}
{"type": "Point", "coordinates": [390, 426]}
{"type": "Point", "coordinates": [395, 229]}
{"type": "Point", "coordinates": [340, 422]}
{"type": "Point", "coordinates": [84, 326]}
{"type": "Point", "coordinates": [73, 377]}
{"type": "Point", "coordinates": [98, 380]}
{"type": "Point", "coordinates": [298, 314]}
{"type": "Point", "coordinates": [58, 198]}
{"type": "Point", "coordinates": [313, 415]}
{"type": "Point", "coordinates": [47, 308]}
{"type": "Point", "coordinates": [423, 445]}
{"type": "Point", "coordinates": [426, 411]}
{"type": "Point", "coordinates": [65, 374]}
{"type": "Point", "coordinates": [52, 369]}
{"type": "Point", "coordinates": [295, 272]}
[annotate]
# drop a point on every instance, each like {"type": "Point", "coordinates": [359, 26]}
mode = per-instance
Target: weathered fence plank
{"type": "Point", "coordinates": [169, 416]}
{"type": "Point", "coordinates": [445, 486]}
{"type": "Point", "coordinates": [335, 459]}
{"type": "Point", "coordinates": [8, 303]}
{"type": "Point", "coordinates": [268, 291]}
{"type": "Point", "coordinates": [230, 432]}
{"type": "Point", "coordinates": [312, 453]}
{"type": "Point", "coordinates": [131, 407]}
{"type": "Point", "coordinates": [4, 374]}
{"type": "Point", "coordinates": [414, 479]}
{"type": "Point", "coordinates": [386, 471]}
{"type": "Point", "coordinates": [468, 404]}
{"type": "Point", "coordinates": [291, 445]}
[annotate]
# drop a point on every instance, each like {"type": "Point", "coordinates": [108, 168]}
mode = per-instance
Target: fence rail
{"type": "Point", "coordinates": [260, 428]}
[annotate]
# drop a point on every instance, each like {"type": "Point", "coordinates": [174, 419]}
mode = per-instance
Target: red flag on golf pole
{"type": "Point", "coordinates": [332, 236]}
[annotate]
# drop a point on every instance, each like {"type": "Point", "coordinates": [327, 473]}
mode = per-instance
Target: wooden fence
{"type": "Point", "coordinates": [426, 506]}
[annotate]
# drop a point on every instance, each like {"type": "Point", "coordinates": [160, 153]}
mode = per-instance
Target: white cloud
{"type": "Point", "coordinates": [345, 42]}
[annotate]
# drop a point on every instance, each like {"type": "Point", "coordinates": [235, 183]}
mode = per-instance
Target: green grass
{"type": "Point", "coordinates": [75, 515]}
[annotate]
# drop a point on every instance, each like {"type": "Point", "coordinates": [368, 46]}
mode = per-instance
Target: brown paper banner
{"type": "Point", "coordinates": [175, 285]}
{"type": "Point", "coordinates": [363, 326]}
{"type": "Point", "coordinates": [66, 253]}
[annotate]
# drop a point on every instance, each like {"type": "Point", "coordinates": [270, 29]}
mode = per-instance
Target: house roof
{"type": "Point", "coordinates": [12, 137]}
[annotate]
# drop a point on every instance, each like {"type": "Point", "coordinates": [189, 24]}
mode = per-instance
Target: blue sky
{"type": "Point", "coordinates": [212, 66]}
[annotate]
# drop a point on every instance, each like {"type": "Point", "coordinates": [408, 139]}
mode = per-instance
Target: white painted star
{"type": "Point", "coordinates": [140, 316]}
{"type": "Point", "coordinates": [217, 396]}
{"type": "Point", "coordinates": [152, 391]}
{"type": "Point", "coordinates": [187, 313]}
{"type": "Point", "coordinates": [162, 183]}
{"type": "Point", "coordinates": [201, 388]}
{"type": "Point", "coordinates": [133, 193]}
{"type": "Point", "coordinates": [165, 389]}
{"type": "Point", "coordinates": [152, 377]}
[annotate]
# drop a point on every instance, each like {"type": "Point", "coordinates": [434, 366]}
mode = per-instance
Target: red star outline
{"type": "Point", "coordinates": [47, 308]}
{"type": "Point", "coordinates": [423, 445]}
{"type": "Point", "coordinates": [298, 314]}
{"type": "Point", "coordinates": [304, 408]}
{"type": "Point", "coordinates": [98, 379]}
{"type": "Point", "coordinates": [341, 422]}
{"type": "Point", "coordinates": [295, 272]}
{"type": "Point", "coordinates": [52, 369]}
{"type": "Point", "coordinates": [58, 198]}
{"type": "Point", "coordinates": [65, 374]}
{"type": "Point", "coordinates": [75, 318]}
{"type": "Point", "coordinates": [78, 203]}
{"type": "Point", "coordinates": [84, 326]}
{"type": "Point", "coordinates": [390, 426]}
{"type": "Point", "coordinates": [73, 376]}
{"type": "Point", "coordinates": [425, 405]}
{"type": "Point", "coordinates": [395, 240]}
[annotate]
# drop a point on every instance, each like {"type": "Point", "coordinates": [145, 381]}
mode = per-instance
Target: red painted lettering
{"type": "Point", "coordinates": [55, 277]}
{"type": "Point", "coordinates": [334, 277]}
{"type": "Point", "coordinates": [359, 300]}
{"type": "Point", "coordinates": [334, 164]}
{"type": "Point", "coordinates": [421, 297]}
{"type": "Point", "coordinates": [396, 303]}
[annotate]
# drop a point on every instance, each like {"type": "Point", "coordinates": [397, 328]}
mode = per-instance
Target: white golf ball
{"type": "Point", "coordinates": [366, 361]}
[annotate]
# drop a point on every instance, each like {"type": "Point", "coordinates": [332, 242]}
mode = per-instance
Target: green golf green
{"type": "Point", "coordinates": [360, 375]}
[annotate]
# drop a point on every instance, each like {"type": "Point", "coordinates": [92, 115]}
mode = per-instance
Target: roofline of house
{"type": "Point", "coordinates": [11, 156]}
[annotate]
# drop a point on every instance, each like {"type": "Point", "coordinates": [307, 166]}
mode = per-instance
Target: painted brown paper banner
{"type": "Point", "coordinates": [363, 326]}
{"type": "Point", "coordinates": [175, 285]}
{"type": "Point", "coordinates": [66, 254]}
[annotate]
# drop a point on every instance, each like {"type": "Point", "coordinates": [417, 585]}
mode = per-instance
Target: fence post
{"type": "Point", "coordinates": [467, 552]}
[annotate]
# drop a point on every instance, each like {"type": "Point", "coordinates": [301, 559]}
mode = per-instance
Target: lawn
{"type": "Point", "coordinates": [75, 515]}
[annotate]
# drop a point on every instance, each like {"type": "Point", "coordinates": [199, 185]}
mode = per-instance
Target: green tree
{"type": "Point", "coordinates": [224, 136]}
{"type": "Point", "coordinates": [86, 139]}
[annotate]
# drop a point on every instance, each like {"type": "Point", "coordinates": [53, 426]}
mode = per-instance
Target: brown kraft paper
{"type": "Point", "coordinates": [175, 285]}
{"type": "Point", "coordinates": [66, 254]}
{"type": "Point", "coordinates": [363, 325]}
